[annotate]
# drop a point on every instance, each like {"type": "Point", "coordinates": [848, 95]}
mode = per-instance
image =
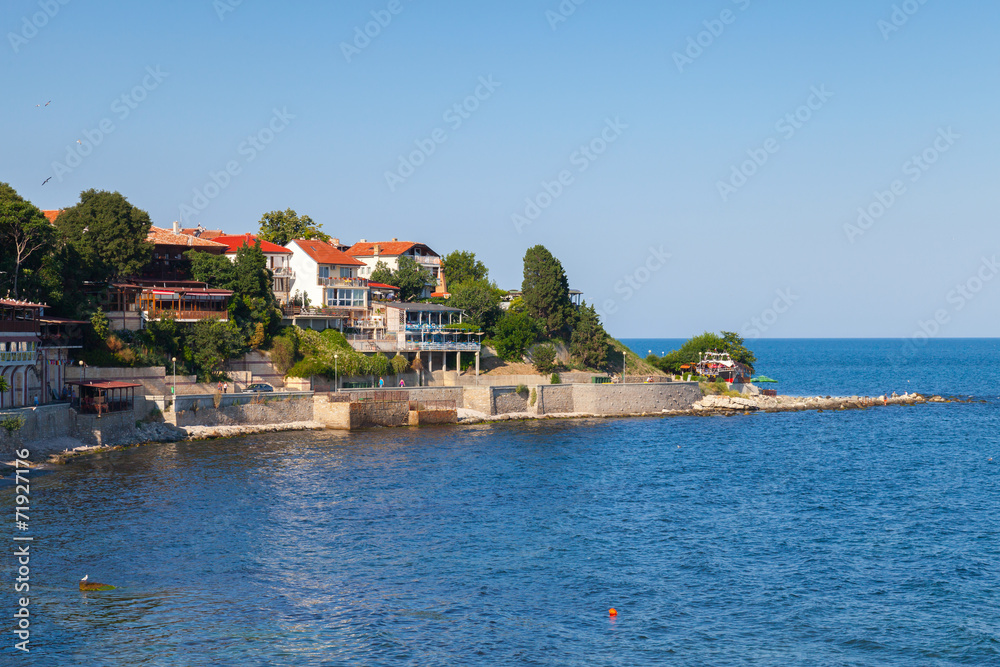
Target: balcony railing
{"type": "Point", "coordinates": [341, 282]}
{"type": "Point", "coordinates": [283, 272]}
{"type": "Point", "coordinates": [155, 314]}
{"type": "Point", "coordinates": [19, 326]}
{"type": "Point", "coordinates": [10, 357]}
{"type": "Point", "coordinates": [427, 259]}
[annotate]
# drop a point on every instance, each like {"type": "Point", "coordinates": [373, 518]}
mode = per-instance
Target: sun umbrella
{"type": "Point", "coordinates": [762, 378]}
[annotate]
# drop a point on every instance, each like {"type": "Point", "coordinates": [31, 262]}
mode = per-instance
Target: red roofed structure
{"type": "Point", "coordinates": [277, 258]}
{"type": "Point", "coordinates": [390, 252]}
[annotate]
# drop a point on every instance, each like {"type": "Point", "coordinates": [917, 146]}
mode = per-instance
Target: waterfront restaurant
{"type": "Point", "coordinates": [185, 303]}
{"type": "Point", "coordinates": [102, 396]}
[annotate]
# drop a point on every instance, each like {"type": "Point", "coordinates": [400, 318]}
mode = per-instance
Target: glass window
{"type": "Point", "coordinates": [324, 272]}
{"type": "Point", "coordinates": [346, 272]}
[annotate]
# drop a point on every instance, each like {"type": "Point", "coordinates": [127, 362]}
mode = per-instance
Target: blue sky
{"type": "Point", "coordinates": [651, 223]}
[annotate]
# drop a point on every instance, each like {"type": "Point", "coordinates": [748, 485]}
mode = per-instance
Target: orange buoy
{"type": "Point", "coordinates": [612, 612]}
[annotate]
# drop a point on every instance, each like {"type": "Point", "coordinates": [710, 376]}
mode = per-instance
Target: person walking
{"type": "Point", "coordinates": [381, 383]}
{"type": "Point", "coordinates": [402, 383]}
{"type": "Point", "coordinates": [225, 388]}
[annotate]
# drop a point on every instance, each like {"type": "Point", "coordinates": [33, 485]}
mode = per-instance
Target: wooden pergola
{"type": "Point", "coordinates": [103, 396]}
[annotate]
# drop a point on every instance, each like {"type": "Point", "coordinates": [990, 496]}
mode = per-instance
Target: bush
{"type": "Point", "coordinates": [534, 397]}
{"type": "Point", "coordinates": [555, 379]}
{"type": "Point", "coordinates": [284, 349]}
{"type": "Point", "coordinates": [513, 334]}
{"type": "Point", "coordinates": [521, 389]}
{"type": "Point", "coordinates": [399, 364]}
{"type": "Point", "coordinates": [12, 423]}
{"type": "Point", "coordinates": [544, 357]}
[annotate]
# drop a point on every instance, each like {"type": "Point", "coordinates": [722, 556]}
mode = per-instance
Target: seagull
{"type": "Point", "coordinates": [43, 105]}
{"type": "Point", "coordinates": [48, 103]}
{"type": "Point", "coordinates": [46, 180]}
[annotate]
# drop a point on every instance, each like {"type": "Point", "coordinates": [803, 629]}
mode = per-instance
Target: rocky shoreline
{"type": "Point", "coordinates": [62, 450]}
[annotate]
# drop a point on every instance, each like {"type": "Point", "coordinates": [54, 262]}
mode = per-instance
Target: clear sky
{"type": "Point", "coordinates": [694, 165]}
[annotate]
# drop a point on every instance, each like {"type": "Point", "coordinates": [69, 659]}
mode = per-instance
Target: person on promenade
{"type": "Point", "coordinates": [402, 383]}
{"type": "Point", "coordinates": [381, 383]}
{"type": "Point", "coordinates": [225, 388]}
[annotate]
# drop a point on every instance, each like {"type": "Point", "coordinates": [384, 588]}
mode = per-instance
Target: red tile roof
{"type": "Point", "coordinates": [161, 236]}
{"type": "Point", "coordinates": [237, 242]}
{"type": "Point", "coordinates": [324, 253]}
{"type": "Point", "coordinates": [52, 215]}
{"type": "Point", "coordinates": [391, 248]}
{"type": "Point", "coordinates": [382, 286]}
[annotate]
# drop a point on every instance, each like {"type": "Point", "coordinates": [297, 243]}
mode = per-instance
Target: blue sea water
{"type": "Point", "coordinates": [866, 537]}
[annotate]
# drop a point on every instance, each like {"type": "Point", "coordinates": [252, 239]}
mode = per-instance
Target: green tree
{"type": "Point", "coordinates": [512, 335]}
{"type": "Point", "coordinates": [218, 271]}
{"type": "Point", "coordinates": [109, 234]}
{"type": "Point", "coordinates": [283, 226]}
{"type": "Point", "coordinates": [545, 291]}
{"type": "Point", "coordinates": [461, 265]}
{"type": "Point", "coordinates": [479, 299]}
{"type": "Point", "coordinates": [692, 350]}
{"type": "Point", "coordinates": [210, 343]}
{"type": "Point", "coordinates": [24, 231]}
{"type": "Point", "coordinates": [410, 278]}
{"type": "Point", "coordinates": [381, 274]}
{"type": "Point", "coordinates": [589, 341]}
{"type": "Point", "coordinates": [544, 358]}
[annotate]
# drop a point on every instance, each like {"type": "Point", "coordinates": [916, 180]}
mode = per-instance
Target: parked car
{"type": "Point", "coordinates": [259, 386]}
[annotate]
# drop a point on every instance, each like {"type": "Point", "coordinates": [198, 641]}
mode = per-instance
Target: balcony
{"type": "Point", "coordinates": [342, 282]}
{"type": "Point", "coordinates": [283, 272]}
{"type": "Point", "coordinates": [186, 315]}
{"type": "Point", "coordinates": [18, 357]}
{"type": "Point", "coordinates": [427, 260]}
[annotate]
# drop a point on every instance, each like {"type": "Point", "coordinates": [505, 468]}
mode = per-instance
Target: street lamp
{"type": "Point", "coordinates": [173, 389]}
{"type": "Point", "coordinates": [624, 365]}
{"type": "Point", "coordinates": [336, 379]}
{"type": "Point", "coordinates": [83, 368]}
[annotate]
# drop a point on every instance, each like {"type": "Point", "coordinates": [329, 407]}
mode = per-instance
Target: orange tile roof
{"type": "Point", "coordinates": [209, 234]}
{"type": "Point", "coordinates": [237, 242]}
{"type": "Point", "coordinates": [391, 248]}
{"type": "Point", "coordinates": [161, 236]}
{"type": "Point", "coordinates": [52, 215]}
{"type": "Point", "coordinates": [324, 253]}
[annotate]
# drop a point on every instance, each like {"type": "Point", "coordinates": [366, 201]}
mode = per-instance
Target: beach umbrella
{"type": "Point", "coordinates": [762, 378]}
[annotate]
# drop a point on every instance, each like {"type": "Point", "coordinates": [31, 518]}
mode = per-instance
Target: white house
{"type": "Point", "coordinates": [330, 280]}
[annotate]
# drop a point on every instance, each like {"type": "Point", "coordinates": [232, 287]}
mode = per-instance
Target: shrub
{"type": "Point", "coordinates": [555, 379]}
{"type": "Point", "coordinates": [544, 357]}
{"type": "Point", "coordinates": [101, 325]}
{"type": "Point", "coordinates": [114, 343]}
{"type": "Point", "coordinates": [534, 397]}
{"type": "Point", "coordinates": [399, 364]}
{"type": "Point", "coordinates": [283, 352]}
{"type": "Point", "coordinates": [12, 423]}
{"type": "Point", "coordinates": [521, 389]}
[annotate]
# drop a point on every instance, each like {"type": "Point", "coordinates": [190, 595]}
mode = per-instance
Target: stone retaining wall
{"type": "Point", "coordinates": [554, 398]}
{"type": "Point", "coordinates": [505, 399]}
{"type": "Point", "coordinates": [428, 417]}
{"type": "Point", "coordinates": [237, 409]}
{"type": "Point", "coordinates": [624, 399]}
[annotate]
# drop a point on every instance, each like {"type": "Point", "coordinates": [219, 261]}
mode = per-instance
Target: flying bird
{"type": "Point", "coordinates": [44, 105]}
{"type": "Point", "coordinates": [46, 180]}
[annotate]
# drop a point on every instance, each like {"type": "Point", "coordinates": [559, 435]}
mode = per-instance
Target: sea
{"type": "Point", "coordinates": [861, 537]}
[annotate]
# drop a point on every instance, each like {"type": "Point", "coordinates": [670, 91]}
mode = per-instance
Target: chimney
{"type": "Point", "coordinates": [394, 239]}
{"type": "Point", "coordinates": [177, 227]}
{"type": "Point", "coordinates": [377, 250]}
{"type": "Point", "coordinates": [363, 241]}
{"type": "Point", "coordinates": [336, 242]}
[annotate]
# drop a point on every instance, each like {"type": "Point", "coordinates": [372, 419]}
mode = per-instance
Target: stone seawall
{"type": "Point", "coordinates": [627, 399]}
{"type": "Point", "coordinates": [234, 409]}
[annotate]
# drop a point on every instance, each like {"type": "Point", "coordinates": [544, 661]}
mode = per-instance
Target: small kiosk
{"type": "Point", "coordinates": [102, 396]}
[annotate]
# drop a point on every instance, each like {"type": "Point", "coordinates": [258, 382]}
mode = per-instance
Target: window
{"type": "Point", "coordinates": [324, 272]}
{"type": "Point", "coordinates": [346, 272]}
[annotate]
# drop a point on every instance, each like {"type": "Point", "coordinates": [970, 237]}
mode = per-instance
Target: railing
{"type": "Point", "coordinates": [17, 356]}
{"type": "Point", "coordinates": [334, 311]}
{"type": "Point", "coordinates": [19, 325]}
{"type": "Point", "coordinates": [446, 347]}
{"type": "Point", "coordinates": [341, 282]}
{"type": "Point", "coordinates": [425, 259]}
{"type": "Point", "coordinates": [283, 272]}
{"type": "Point", "coordinates": [157, 313]}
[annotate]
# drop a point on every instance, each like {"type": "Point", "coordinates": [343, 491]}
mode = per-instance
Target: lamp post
{"type": "Point", "coordinates": [336, 377]}
{"type": "Point", "coordinates": [173, 390]}
{"type": "Point", "coordinates": [624, 365]}
{"type": "Point", "coordinates": [83, 368]}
